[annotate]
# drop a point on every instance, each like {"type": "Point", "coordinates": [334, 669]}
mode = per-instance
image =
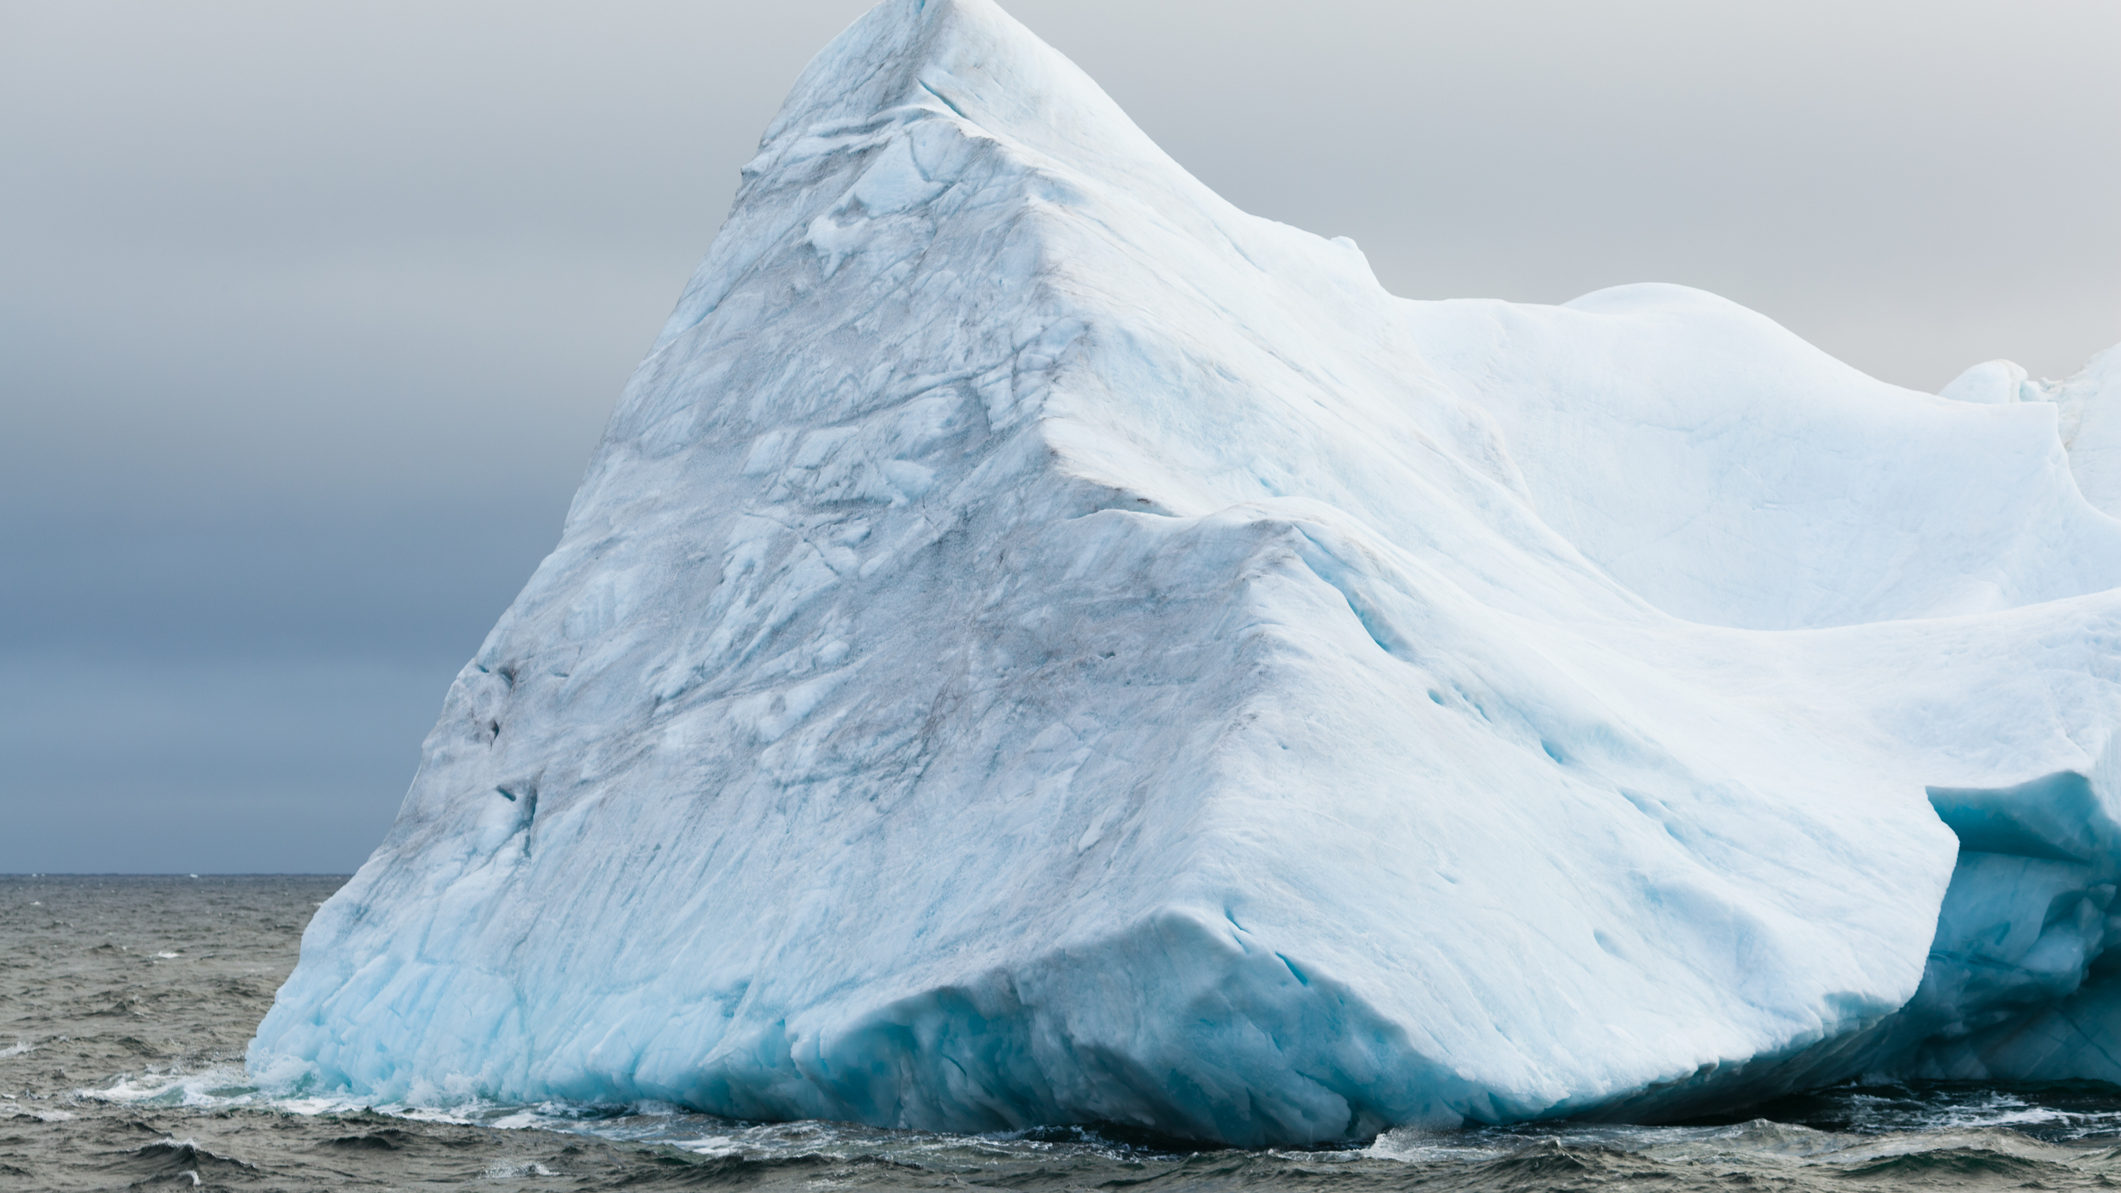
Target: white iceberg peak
{"type": "Point", "coordinates": [1037, 644]}
{"type": "Point", "coordinates": [2088, 407]}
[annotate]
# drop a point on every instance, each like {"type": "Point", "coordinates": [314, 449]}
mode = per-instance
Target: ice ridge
{"type": "Point", "coordinates": [1036, 644]}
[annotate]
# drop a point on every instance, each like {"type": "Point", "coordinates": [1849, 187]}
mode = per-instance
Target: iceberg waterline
{"type": "Point", "coordinates": [1039, 645]}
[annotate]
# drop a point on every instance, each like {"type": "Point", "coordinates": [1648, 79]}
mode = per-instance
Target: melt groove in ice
{"type": "Point", "coordinates": [1037, 644]}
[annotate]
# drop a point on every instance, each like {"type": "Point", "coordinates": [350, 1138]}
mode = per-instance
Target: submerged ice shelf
{"type": "Point", "coordinates": [1038, 645]}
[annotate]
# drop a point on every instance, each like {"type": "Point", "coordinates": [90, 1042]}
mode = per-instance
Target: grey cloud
{"type": "Point", "coordinates": [313, 312]}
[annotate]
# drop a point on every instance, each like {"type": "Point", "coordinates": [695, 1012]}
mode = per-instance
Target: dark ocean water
{"type": "Point", "coordinates": [125, 1004]}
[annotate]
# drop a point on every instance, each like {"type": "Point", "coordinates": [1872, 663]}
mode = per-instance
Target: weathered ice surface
{"type": "Point", "coordinates": [2089, 407]}
{"type": "Point", "coordinates": [1037, 644]}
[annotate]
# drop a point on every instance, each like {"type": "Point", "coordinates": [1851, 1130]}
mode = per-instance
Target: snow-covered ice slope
{"type": "Point", "coordinates": [2088, 404]}
{"type": "Point", "coordinates": [1037, 644]}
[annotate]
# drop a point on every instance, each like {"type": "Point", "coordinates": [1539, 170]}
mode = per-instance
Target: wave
{"type": "Point", "coordinates": [1911, 1133]}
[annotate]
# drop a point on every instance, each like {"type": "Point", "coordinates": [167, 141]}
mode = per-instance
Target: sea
{"type": "Point", "coordinates": [126, 1003]}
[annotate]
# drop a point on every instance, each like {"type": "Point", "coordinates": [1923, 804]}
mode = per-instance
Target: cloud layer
{"type": "Point", "coordinates": [315, 313]}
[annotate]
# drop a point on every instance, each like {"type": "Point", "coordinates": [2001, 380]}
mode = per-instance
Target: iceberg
{"type": "Point", "coordinates": [1038, 645]}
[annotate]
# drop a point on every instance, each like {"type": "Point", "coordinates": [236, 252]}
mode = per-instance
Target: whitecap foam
{"type": "Point", "coordinates": [1870, 1126]}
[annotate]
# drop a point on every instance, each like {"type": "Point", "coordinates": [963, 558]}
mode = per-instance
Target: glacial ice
{"type": "Point", "coordinates": [1037, 644]}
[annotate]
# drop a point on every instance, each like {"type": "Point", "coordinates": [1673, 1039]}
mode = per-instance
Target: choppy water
{"type": "Point", "coordinates": [125, 1004]}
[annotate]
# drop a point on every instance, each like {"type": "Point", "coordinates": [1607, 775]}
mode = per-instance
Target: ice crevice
{"type": "Point", "coordinates": [2025, 929]}
{"type": "Point", "coordinates": [1039, 645]}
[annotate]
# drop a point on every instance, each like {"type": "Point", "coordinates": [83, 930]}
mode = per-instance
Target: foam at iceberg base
{"type": "Point", "coordinates": [1039, 645]}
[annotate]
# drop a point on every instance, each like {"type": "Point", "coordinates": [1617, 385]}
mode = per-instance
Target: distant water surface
{"type": "Point", "coordinates": [125, 1004]}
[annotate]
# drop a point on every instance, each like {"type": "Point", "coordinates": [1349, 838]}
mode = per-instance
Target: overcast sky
{"type": "Point", "coordinates": [312, 313]}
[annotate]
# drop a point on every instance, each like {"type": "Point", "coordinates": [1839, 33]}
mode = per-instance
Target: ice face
{"type": "Point", "coordinates": [1037, 644]}
{"type": "Point", "coordinates": [2088, 406]}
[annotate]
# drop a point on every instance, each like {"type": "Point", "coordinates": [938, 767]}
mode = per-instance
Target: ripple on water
{"type": "Point", "coordinates": [124, 1068]}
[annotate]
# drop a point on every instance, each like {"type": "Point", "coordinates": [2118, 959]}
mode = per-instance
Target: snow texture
{"type": "Point", "coordinates": [2090, 408]}
{"type": "Point", "coordinates": [1037, 644]}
